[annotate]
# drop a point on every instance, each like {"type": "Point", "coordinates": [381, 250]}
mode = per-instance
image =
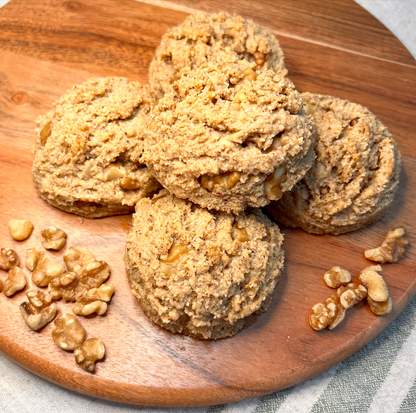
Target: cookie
{"type": "Point", "coordinates": [226, 137]}
{"type": "Point", "coordinates": [356, 174]}
{"type": "Point", "coordinates": [201, 273]}
{"type": "Point", "coordinates": [212, 37]}
{"type": "Point", "coordinates": [82, 160]}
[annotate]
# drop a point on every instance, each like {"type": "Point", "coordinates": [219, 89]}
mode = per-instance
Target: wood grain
{"type": "Point", "coordinates": [330, 47]}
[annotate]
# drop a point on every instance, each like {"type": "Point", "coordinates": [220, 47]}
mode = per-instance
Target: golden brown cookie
{"type": "Point", "coordinates": [201, 273]}
{"type": "Point", "coordinates": [227, 137]}
{"type": "Point", "coordinates": [218, 38]}
{"type": "Point", "coordinates": [82, 160]}
{"type": "Point", "coordinates": [355, 176]}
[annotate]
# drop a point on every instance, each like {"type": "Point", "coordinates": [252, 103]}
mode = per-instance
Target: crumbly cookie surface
{"type": "Point", "coordinates": [201, 273]}
{"type": "Point", "coordinates": [212, 37]}
{"type": "Point", "coordinates": [355, 176]}
{"type": "Point", "coordinates": [82, 163]}
{"type": "Point", "coordinates": [226, 137]}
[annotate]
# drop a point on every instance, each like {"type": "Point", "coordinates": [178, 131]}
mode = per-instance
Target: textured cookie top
{"type": "Point", "coordinates": [212, 37]}
{"type": "Point", "coordinates": [190, 267]}
{"type": "Point", "coordinates": [222, 130]}
{"type": "Point", "coordinates": [82, 150]}
{"type": "Point", "coordinates": [356, 172]}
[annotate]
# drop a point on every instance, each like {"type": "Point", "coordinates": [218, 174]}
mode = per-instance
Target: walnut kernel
{"type": "Point", "coordinates": [77, 256]}
{"type": "Point", "coordinates": [20, 229]}
{"type": "Point", "coordinates": [46, 270]}
{"type": "Point", "coordinates": [39, 311]}
{"type": "Point", "coordinates": [32, 258]}
{"type": "Point", "coordinates": [88, 353]}
{"type": "Point", "coordinates": [8, 259]}
{"type": "Point", "coordinates": [53, 238]}
{"type": "Point", "coordinates": [392, 249]}
{"type": "Point", "coordinates": [272, 184]}
{"type": "Point", "coordinates": [351, 294]}
{"type": "Point", "coordinates": [221, 182]}
{"type": "Point", "coordinates": [69, 333]}
{"type": "Point", "coordinates": [15, 282]}
{"type": "Point", "coordinates": [336, 277]}
{"type": "Point", "coordinates": [98, 307]}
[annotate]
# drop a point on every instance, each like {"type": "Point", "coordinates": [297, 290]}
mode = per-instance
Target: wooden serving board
{"type": "Point", "coordinates": [333, 47]}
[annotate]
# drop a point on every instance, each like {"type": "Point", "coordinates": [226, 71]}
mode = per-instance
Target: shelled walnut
{"type": "Point", "coordinates": [336, 277]}
{"type": "Point", "coordinates": [88, 353]}
{"type": "Point", "coordinates": [32, 258]}
{"type": "Point", "coordinates": [82, 309]}
{"type": "Point", "coordinates": [392, 249]}
{"type": "Point", "coordinates": [378, 293]}
{"type": "Point", "coordinates": [20, 229]}
{"type": "Point", "coordinates": [77, 256]}
{"type": "Point", "coordinates": [39, 311]}
{"type": "Point", "coordinates": [46, 270]}
{"type": "Point", "coordinates": [68, 333]}
{"type": "Point", "coordinates": [73, 285]}
{"type": "Point", "coordinates": [53, 238]}
{"type": "Point", "coordinates": [8, 259]}
{"type": "Point", "coordinates": [332, 312]}
{"type": "Point", "coordinates": [15, 282]}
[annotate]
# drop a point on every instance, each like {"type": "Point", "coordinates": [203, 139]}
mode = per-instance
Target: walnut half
{"type": "Point", "coordinates": [8, 259]}
{"type": "Point", "coordinates": [392, 249]}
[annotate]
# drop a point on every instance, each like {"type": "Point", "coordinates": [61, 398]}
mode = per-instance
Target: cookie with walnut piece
{"type": "Point", "coordinates": [82, 160]}
{"type": "Point", "coordinates": [201, 273]}
{"type": "Point", "coordinates": [203, 38]}
{"type": "Point", "coordinates": [356, 174]}
{"type": "Point", "coordinates": [227, 137]}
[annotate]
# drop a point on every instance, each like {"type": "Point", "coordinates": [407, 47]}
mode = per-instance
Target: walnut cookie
{"type": "Point", "coordinates": [201, 273]}
{"type": "Point", "coordinates": [81, 160]}
{"type": "Point", "coordinates": [212, 37]}
{"type": "Point", "coordinates": [356, 174]}
{"type": "Point", "coordinates": [227, 137]}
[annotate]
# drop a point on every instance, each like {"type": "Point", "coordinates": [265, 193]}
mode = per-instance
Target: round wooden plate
{"type": "Point", "coordinates": [332, 47]}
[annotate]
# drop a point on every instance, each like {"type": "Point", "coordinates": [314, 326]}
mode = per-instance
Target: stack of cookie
{"type": "Point", "coordinates": [223, 130]}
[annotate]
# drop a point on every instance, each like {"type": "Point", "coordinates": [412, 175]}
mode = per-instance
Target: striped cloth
{"type": "Point", "coordinates": [380, 378]}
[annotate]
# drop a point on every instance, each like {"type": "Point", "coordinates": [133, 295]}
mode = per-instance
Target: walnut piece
{"type": "Point", "coordinates": [380, 308]}
{"type": "Point", "coordinates": [8, 259]}
{"type": "Point", "coordinates": [351, 294]}
{"type": "Point", "coordinates": [98, 307]}
{"type": "Point", "coordinates": [20, 229]}
{"type": "Point", "coordinates": [336, 277]}
{"type": "Point", "coordinates": [176, 255]}
{"type": "Point", "coordinates": [221, 182]}
{"type": "Point", "coordinates": [378, 294]}
{"type": "Point", "coordinates": [259, 58]}
{"type": "Point", "coordinates": [272, 184]}
{"type": "Point", "coordinates": [329, 314]}
{"type": "Point", "coordinates": [53, 238]}
{"type": "Point", "coordinates": [129, 183]}
{"type": "Point", "coordinates": [114, 172]}
{"type": "Point", "coordinates": [46, 270]}
{"type": "Point", "coordinates": [103, 293]}
{"type": "Point", "coordinates": [39, 311]}
{"type": "Point", "coordinates": [240, 234]}
{"type": "Point", "coordinates": [15, 282]}
{"type": "Point", "coordinates": [77, 256]}
{"type": "Point", "coordinates": [32, 258]}
{"type": "Point", "coordinates": [374, 282]}
{"type": "Point", "coordinates": [73, 285]}
{"type": "Point", "coordinates": [68, 333]}
{"type": "Point", "coordinates": [88, 353]}
{"type": "Point", "coordinates": [392, 249]}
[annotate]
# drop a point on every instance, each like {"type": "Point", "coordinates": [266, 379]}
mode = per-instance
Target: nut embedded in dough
{"type": "Point", "coordinates": [356, 174]}
{"type": "Point", "coordinates": [82, 156]}
{"type": "Point", "coordinates": [201, 273]}
{"type": "Point", "coordinates": [201, 148]}
{"type": "Point", "coordinates": [203, 38]}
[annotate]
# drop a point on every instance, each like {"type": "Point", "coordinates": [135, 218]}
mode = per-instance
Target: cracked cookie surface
{"type": "Point", "coordinates": [82, 160]}
{"type": "Point", "coordinates": [227, 137]}
{"type": "Point", "coordinates": [212, 37]}
{"type": "Point", "coordinates": [356, 174]}
{"type": "Point", "coordinates": [201, 273]}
